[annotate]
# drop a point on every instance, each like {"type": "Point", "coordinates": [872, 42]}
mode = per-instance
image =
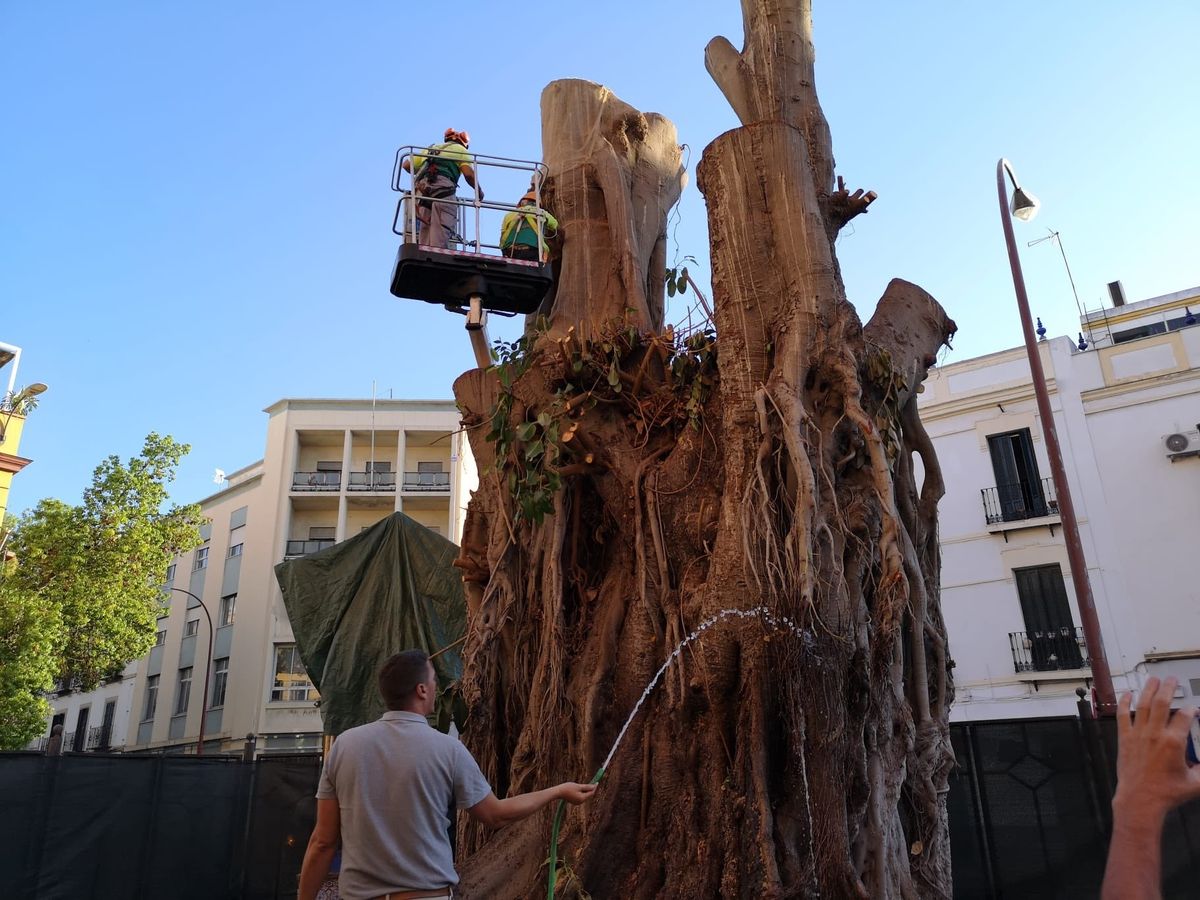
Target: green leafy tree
{"type": "Point", "coordinates": [30, 630]}
{"type": "Point", "coordinates": [85, 588]}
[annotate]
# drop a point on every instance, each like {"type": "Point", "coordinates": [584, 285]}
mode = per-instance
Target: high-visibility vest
{"type": "Point", "coordinates": [521, 228]}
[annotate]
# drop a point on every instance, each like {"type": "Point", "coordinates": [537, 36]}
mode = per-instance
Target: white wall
{"type": "Point", "coordinates": [1138, 514]}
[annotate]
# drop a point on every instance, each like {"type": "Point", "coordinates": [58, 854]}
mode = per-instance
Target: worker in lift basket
{"type": "Point", "coordinates": [435, 177]}
{"type": "Point", "coordinates": [519, 238]}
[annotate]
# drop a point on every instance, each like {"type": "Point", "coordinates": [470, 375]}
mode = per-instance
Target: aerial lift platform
{"type": "Point", "coordinates": [469, 276]}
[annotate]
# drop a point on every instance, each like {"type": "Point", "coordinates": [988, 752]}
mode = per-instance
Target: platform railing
{"type": "Point", "coordinates": [469, 209]}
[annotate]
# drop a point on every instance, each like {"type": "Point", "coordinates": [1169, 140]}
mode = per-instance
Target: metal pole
{"type": "Point", "coordinates": [207, 669]}
{"type": "Point", "coordinates": [1106, 702]}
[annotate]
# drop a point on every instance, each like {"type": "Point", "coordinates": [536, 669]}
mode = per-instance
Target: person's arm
{"type": "Point", "coordinates": [469, 173]}
{"type": "Point", "coordinates": [321, 847]}
{"type": "Point", "coordinates": [1152, 778]}
{"type": "Point", "coordinates": [494, 812]}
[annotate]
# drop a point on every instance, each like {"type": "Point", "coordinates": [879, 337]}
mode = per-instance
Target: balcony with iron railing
{"type": "Point", "coordinates": [427, 481]}
{"type": "Point", "coordinates": [372, 481]}
{"type": "Point", "coordinates": [316, 481]}
{"type": "Point", "coordinates": [1020, 502]}
{"type": "Point", "coordinates": [1049, 651]}
{"type": "Point", "coordinates": [296, 549]}
{"type": "Point", "coordinates": [99, 737]}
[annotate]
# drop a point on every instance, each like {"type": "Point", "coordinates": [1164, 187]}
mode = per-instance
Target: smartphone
{"type": "Point", "coordinates": [1193, 744]}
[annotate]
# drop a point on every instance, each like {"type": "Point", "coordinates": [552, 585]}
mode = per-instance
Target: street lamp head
{"type": "Point", "coordinates": [1024, 204]}
{"type": "Point", "coordinates": [36, 388]}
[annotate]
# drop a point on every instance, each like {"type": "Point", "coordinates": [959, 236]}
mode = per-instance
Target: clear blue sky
{"type": "Point", "coordinates": [195, 218]}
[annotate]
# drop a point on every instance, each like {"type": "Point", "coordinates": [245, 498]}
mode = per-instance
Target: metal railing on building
{"type": "Point", "coordinates": [316, 481]}
{"type": "Point", "coordinates": [99, 737]}
{"type": "Point", "coordinates": [1049, 651]}
{"type": "Point", "coordinates": [296, 549]}
{"type": "Point", "coordinates": [372, 481]}
{"type": "Point", "coordinates": [1020, 501]}
{"type": "Point", "coordinates": [426, 481]}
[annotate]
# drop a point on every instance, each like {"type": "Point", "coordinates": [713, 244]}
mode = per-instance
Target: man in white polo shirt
{"type": "Point", "coordinates": [389, 790]}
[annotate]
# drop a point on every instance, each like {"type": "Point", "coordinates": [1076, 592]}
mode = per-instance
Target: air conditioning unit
{"type": "Point", "coordinates": [1182, 444]}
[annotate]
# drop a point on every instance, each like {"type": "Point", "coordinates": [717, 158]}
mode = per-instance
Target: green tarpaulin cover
{"type": "Point", "coordinates": [356, 603]}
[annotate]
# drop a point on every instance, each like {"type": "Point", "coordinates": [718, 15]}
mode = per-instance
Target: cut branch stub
{"type": "Point", "coordinates": [911, 326]}
{"type": "Point", "coordinates": [772, 77]}
{"type": "Point", "coordinates": [615, 172]}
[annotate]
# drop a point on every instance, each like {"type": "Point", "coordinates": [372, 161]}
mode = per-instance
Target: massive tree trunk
{"type": "Point", "coordinates": [634, 485]}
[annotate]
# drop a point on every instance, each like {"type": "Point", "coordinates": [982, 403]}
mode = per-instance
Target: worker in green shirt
{"type": "Point", "coordinates": [435, 179]}
{"type": "Point", "coordinates": [519, 237]}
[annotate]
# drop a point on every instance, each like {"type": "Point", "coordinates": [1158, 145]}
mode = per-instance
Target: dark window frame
{"type": "Point", "coordinates": [151, 703]}
{"type": "Point", "coordinates": [1018, 479]}
{"type": "Point", "coordinates": [220, 682]}
{"type": "Point", "coordinates": [228, 610]}
{"type": "Point", "coordinates": [1049, 624]}
{"type": "Point", "coordinates": [183, 692]}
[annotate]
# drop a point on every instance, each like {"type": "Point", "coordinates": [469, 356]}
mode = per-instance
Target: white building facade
{"type": "Point", "coordinates": [331, 469]}
{"type": "Point", "coordinates": [1126, 411]}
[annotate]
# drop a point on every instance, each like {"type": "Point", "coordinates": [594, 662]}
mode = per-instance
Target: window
{"type": "Point", "coordinates": [322, 533]}
{"type": "Point", "coordinates": [1052, 640]}
{"type": "Point", "coordinates": [379, 466]}
{"type": "Point", "coordinates": [329, 465]}
{"type": "Point", "coordinates": [429, 466]}
{"type": "Point", "coordinates": [291, 680]}
{"type": "Point", "coordinates": [201, 559]}
{"type": "Point", "coordinates": [228, 606]}
{"type": "Point", "coordinates": [170, 573]}
{"type": "Point", "coordinates": [81, 726]}
{"type": "Point", "coordinates": [220, 681]}
{"type": "Point", "coordinates": [235, 550]}
{"type": "Point", "coordinates": [237, 518]}
{"type": "Point", "coordinates": [160, 638]}
{"type": "Point", "coordinates": [106, 726]}
{"type": "Point", "coordinates": [183, 692]}
{"type": "Point", "coordinates": [436, 529]}
{"type": "Point", "coordinates": [1019, 488]}
{"type": "Point", "coordinates": [151, 698]}
{"type": "Point", "coordinates": [1181, 322]}
{"type": "Point", "coordinates": [1132, 334]}
{"type": "Point", "coordinates": [191, 627]}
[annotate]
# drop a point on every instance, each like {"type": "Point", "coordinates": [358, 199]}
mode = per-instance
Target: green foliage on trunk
{"type": "Point", "coordinates": [82, 596]}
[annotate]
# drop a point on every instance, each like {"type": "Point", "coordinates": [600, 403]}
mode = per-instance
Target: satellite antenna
{"type": "Point", "coordinates": [218, 476]}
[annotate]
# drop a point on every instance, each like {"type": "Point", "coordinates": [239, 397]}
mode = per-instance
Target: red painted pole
{"type": "Point", "coordinates": [1106, 701]}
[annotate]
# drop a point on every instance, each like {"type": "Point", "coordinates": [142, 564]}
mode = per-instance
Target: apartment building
{"type": "Point", "coordinates": [1126, 403]}
{"type": "Point", "coordinates": [330, 469]}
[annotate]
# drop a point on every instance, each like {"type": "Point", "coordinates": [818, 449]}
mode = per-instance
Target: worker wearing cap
{"type": "Point", "coordinates": [520, 237]}
{"type": "Point", "coordinates": [435, 178]}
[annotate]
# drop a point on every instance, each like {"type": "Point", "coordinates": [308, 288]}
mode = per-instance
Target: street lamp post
{"type": "Point", "coordinates": [207, 669]}
{"type": "Point", "coordinates": [13, 402]}
{"type": "Point", "coordinates": [1024, 207]}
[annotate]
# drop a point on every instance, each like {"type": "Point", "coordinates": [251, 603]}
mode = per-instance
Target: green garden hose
{"type": "Point", "coordinates": [558, 817]}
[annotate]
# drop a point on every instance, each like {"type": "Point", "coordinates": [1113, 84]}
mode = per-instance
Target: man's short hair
{"type": "Point", "coordinates": [400, 675]}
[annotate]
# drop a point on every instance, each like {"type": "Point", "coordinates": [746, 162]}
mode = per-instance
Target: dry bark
{"type": "Point", "coordinates": [766, 764]}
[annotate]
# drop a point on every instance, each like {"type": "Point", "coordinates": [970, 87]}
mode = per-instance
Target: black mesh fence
{"type": "Point", "coordinates": [149, 827]}
{"type": "Point", "coordinates": [282, 814]}
{"type": "Point", "coordinates": [1030, 815]}
{"type": "Point", "coordinates": [1028, 803]}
